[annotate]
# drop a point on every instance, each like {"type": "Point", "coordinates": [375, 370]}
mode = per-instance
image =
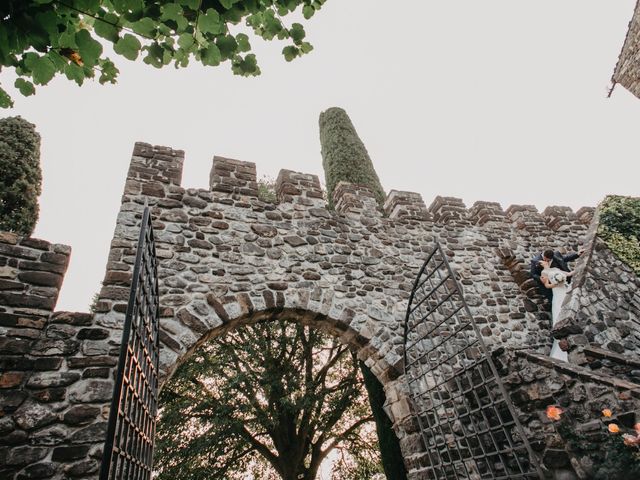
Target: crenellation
{"type": "Point", "coordinates": [151, 163]}
{"type": "Point", "coordinates": [401, 204]}
{"type": "Point", "coordinates": [233, 176]}
{"type": "Point", "coordinates": [525, 217]}
{"type": "Point", "coordinates": [484, 212]}
{"type": "Point", "coordinates": [562, 219]}
{"type": "Point", "coordinates": [350, 199]}
{"type": "Point", "coordinates": [299, 188]}
{"type": "Point", "coordinates": [585, 215]}
{"type": "Point", "coordinates": [447, 209]}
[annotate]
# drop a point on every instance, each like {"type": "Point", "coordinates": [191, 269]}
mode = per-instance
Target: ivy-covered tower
{"type": "Point", "coordinates": [344, 156]}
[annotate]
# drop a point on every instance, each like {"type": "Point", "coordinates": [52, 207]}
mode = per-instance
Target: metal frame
{"type": "Point", "coordinates": [128, 449]}
{"type": "Point", "coordinates": [466, 419]}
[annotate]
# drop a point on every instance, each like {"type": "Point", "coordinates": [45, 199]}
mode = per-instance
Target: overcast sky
{"type": "Point", "coordinates": [500, 100]}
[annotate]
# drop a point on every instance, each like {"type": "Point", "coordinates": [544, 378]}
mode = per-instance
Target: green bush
{"type": "Point", "coordinates": [344, 156]}
{"type": "Point", "coordinates": [20, 175]}
{"type": "Point", "coordinates": [620, 228]}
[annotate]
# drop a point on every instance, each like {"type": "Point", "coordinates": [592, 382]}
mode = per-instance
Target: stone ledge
{"type": "Point", "coordinates": [580, 372]}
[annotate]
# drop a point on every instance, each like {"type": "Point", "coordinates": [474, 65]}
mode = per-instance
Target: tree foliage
{"type": "Point", "coordinates": [270, 400]}
{"type": "Point", "coordinates": [20, 175]}
{"type": "Point", "coordinates": [620, 228]}
{"type": "Point", "coordinates": [40, 39]}
{"type": "Point", "coordinates": [344, 156]}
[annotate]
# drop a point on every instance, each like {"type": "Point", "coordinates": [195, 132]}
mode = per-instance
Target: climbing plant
{"type": "Point", "coordinates": [620, 228]}
{"type": "Point", "coordinates": [344, 156]}
{"type": "Point", "coordinates": [20, 175]}
{"type": "Point", "coordinates": [40, 39]}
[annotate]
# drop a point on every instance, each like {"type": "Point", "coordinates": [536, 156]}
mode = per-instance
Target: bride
{"type": "Point", "coordinates": [557, 280]}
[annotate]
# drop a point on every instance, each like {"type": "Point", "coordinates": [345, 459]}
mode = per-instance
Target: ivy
{"type": "Point", "coordinates": [620, 228]}
{"type": "Point", "coordinates": [40, 39]}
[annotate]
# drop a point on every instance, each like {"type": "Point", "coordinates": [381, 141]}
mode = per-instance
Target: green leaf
{"type": "Point", "coordinates": [128, 46]}
{"type": "Point", "coordinates": [226, 3]}
{"type": "Point", "coordinates": [290, 52]}
{"type": "Point", "coordinates": [145, 27]}
{"type": "Point", "coordinates": [185, 41]}
{"type": "Point", "coordinates": [296, 32]}
{"type": "Point", "coordinates": [227, 45]}
{"type": "Point", "coordinates": [26, 87]}
{"type": "Point", "coordinates": [42, 70]}
{"type": "Point", "coordinates": [75, 73]}
{"type": "Point", "coordinates": [108, 72]}
{"type": "Point", "coordinates": [211, 55]}
{"type": "Point", "coordinates": [173, 12]}
{"type": "Point", "coordinates": [105, 27]}
{"type": "Point", "coordinates": [88, 48]}
{"type": "Point", "coordinates": [247, 66]}
{"type": "Point", "coordinates": [5, 99]}
{"type": "Point", "coordinates": [67, 40]}
{"type": "Point", "coordinates": [306, 47]}
{"type": "Point", "coordinates": [211, 22]}
{"type": "Point", "coordinates": [308, 11]}
{"type": "Point", "coordinates": [154, 55]}
{"type": "Point", "coordinates": [243, 42]}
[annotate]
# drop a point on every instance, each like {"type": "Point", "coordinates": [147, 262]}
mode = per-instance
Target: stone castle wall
{"type": "Point", "coordinates": [227, 258]}
{"type": "Point", "coordinates": [627, 71]}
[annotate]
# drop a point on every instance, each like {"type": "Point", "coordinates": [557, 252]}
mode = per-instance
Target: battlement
{"type": "Point", "coordinates": [156, 172]}
{"type": "Point", "coordinates": [351, 199]}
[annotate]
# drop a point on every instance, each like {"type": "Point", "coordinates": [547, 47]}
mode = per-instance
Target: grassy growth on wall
{"type": "Point", "coordinates": [344, 156]}
{"type": "Point", "coordinates": [620, 228]}
{"type": "Point", "coordinates": [20, 175]}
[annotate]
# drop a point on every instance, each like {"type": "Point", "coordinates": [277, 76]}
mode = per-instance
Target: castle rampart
{"type": "Point", "coordinates": [227, 258]}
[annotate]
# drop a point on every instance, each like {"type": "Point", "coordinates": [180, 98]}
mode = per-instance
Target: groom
{"type": "Point", "coordinates": [557, 260]}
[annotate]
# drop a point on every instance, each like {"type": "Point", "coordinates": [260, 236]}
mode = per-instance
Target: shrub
{"type": "Point", "coordinates": [620, 228]}
{"type": "Point", "coordinates": [20, 175]}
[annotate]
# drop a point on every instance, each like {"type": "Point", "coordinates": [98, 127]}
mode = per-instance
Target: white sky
{"type": "Point", "coordinates": [499, 100]}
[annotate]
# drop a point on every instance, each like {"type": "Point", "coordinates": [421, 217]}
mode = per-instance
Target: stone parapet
{"type": "Point", "coordinates": [563, 219]}
{"type": "Point", "coordinates": [233, 176]}
{"type": "Point", "coordinates": [627, 70]}
{"type": "Point", "coordinates": [585, 215]}
{"type": "Point", "coordinates": [153, 163]}
{"type": "Point", "coordinates": [484, 212]}
{"type": "Point", "coordinates": [351, 199]}
{"type": "Point", "coordinates": [410, 205]}
{"type": "Point", "coordinates": [31, 273]}
{"type": "Point", "coordinates": [525, 217]}
{"type": "Point", "coordinates": [299, 188]}
{"type": "Point", "coordinates": [446, 209]}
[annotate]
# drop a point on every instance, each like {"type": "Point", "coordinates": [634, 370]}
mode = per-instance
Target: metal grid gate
{"type": "Point", "coordinates": [128, 451]}
{"type": "Point", "coordinates": [464, 413]}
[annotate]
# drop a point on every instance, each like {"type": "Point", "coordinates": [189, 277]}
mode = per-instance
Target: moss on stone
{"type": "Point", "coordinates": [620, 228]}
{"type": "Point", "coordinates": [344, 156]}
{"type": "Point", "coordinates": [20, 175]}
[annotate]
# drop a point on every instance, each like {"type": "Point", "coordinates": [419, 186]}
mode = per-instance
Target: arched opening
{"type": "Point", "coordinates": [195, 398]}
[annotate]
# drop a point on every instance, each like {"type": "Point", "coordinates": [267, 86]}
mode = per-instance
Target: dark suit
{"type": "Point", "coordinates": [559, 261]}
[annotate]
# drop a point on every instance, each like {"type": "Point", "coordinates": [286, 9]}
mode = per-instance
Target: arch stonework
{"type": "Point", "coordinates": [226, 257]}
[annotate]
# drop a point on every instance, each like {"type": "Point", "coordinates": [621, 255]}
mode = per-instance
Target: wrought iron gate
{"type": "Point", "coordinates": [128, 450]}
{"type": "Point", "coordinates": [464, 413]}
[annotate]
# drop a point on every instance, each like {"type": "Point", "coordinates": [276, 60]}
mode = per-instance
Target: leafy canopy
{"type": "Point", "coordinates": [270, 400]}
{"type": "Point", "coordinates": [40, 39]}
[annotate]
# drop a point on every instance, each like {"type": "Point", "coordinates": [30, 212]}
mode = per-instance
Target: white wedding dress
{"type": "Point", "coordinates": [559, 293]}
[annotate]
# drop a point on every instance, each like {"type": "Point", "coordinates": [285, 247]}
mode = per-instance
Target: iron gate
{"type": "Point", "coordinates": [128, 450]}
{"type": "Point", "coordinates": [464, 413]}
